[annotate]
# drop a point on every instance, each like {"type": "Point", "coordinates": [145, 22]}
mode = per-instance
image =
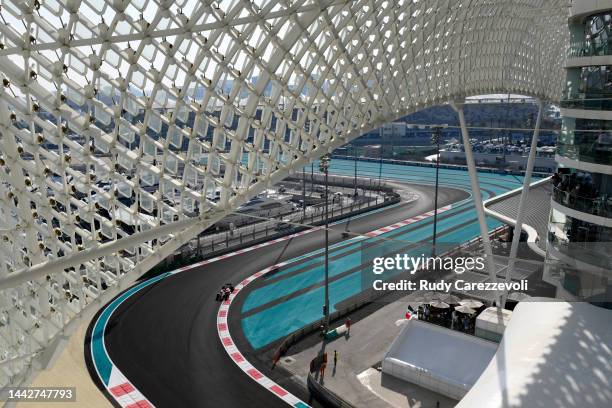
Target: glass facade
{"type": "Point", "coordinates": [594, 37]}
{"type": "Point", "coordinates": [584, 191]}
{"type": "Point", "coordinates": [589, 88]}
{"type": "Point", "coordinates": [589, 243]}
{"type": "Point", "coordinates": [565, 230]}
{"type": "Point", "coordinates": [596, 80]}
{"type": "Point", "coordinates": [591, 287]}
{"type": "Point", "coordinates": [579, 256]}
{"type": "Point", "coordinates": [587, 140]}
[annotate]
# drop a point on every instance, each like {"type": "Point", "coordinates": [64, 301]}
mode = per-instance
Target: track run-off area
{"type": "Point", "coordinates": [162, 337]}
{"type": "Point", "coordinates": [294, 296]}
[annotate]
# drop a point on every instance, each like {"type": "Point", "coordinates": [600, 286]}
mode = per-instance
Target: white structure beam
{"type": "Point", "coordinates": [477, 196]}
{"type": "Point", "coordinates": [520, 216]}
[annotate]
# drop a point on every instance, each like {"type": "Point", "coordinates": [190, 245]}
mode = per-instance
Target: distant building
{"type": "Point", "coordinates": [372, 150]}
{"type": "Point", "coordinates": [394, 130]}
{"type": "Point", "coordinates": [391, 134]}
{"type": "Point", "coordinates": [486, 117]}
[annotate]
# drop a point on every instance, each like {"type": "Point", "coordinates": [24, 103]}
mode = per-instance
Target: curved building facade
{"type": "Point", "coordinates": [580, 229]}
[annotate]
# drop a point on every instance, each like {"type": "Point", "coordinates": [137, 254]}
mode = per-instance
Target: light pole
{"type": "Point", "coordinates": [380, 165]}
{"type": "Point", "coordinates": [382, 146]}
{"type": "Point", "coordinates": [355, 179]}
{"type": "Point", "coordinates": [435, 139]}
{"type": "Point", "coordinates": [324, 167]}
{"type": "Point", "coordinates": [303, 195]}
{"type": "Point", "coordinates": [311, 178]}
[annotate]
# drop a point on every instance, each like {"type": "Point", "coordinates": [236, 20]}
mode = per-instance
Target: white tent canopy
{"type": "Point", "coordinates": [551, 353]}
{"type": "Point", "coordinates": [445, 361]}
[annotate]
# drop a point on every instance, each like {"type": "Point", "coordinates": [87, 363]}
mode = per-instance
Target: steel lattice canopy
{"type": "Point", "coordinates": [121, 120]}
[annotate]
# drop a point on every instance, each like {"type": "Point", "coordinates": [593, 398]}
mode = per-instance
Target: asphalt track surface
{"type": "Point", "coordinates": [164, 338]}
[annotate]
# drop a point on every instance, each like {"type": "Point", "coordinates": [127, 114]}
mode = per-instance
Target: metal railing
{"type": "Point", "coordinates": [587, 100]}
{"type": "Point", "coordinates": [325, 396]}
{"type": "Point", "coordinates": [600, 205]}
{"type": "Point", "coordinates": [209, 246]}
{"type": "Point", "coordinates": [443, 166]}
{"type": "Point", "coordinates": [579, 49]}
{"type": "Point", "coordinates": [590, 151]}
{"type": "Point", "coordinates": [370, 184]}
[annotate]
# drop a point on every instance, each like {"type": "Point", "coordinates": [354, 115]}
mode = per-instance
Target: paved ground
{"type": "Point", "coordinates": [69, 370]}
{"type": "Point", "coordinates": [293, 297]}
{"type": "Point", "coordinates": [399, 393]}
{"type": "Point", "coordinates": [354, 378]}
{"type": "Point", "coordinates": [164, 338]}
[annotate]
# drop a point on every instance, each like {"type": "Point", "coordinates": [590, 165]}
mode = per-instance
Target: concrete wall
{"type": "Point", "coordinates": [514, 160]}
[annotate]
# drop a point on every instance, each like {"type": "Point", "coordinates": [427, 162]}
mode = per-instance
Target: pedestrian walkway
{"type": "Point", "coordinates": [355, 378]}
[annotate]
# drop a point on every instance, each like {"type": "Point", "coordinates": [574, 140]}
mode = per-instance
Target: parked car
{"type": "Point", "coordinates": [283, 225]}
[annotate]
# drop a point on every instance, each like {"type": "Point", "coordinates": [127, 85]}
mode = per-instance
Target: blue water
{"type": "Point", "coordinates": [279, 320]}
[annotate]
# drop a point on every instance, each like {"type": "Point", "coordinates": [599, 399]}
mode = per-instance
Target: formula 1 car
{"type": "Point", "coordinates": [225, 292]}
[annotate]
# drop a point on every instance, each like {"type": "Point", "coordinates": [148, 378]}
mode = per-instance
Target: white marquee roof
{"type": "Point", "coordinates": [552, 354]}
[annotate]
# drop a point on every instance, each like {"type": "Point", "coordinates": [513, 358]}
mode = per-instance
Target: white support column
{"type": "Point", "coordinates": [482, 221]}
{"type": "Point", "coordinates": [521, 208]}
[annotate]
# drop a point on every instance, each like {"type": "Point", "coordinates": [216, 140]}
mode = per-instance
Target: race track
{"type": "Point", "coordinates": [164, 337]}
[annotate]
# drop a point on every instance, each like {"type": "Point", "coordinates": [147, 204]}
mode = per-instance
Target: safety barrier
{"type": "Point", "coordinates": [186, 258]}
{"type": "Point", "coordinates": [442, 165]}
{"type": "Point", "coordinates": [317, 325]}
{"type": "Point", "coordinates": [326, 397]}
{"type": "Point", "coordinates": [342, 181]}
